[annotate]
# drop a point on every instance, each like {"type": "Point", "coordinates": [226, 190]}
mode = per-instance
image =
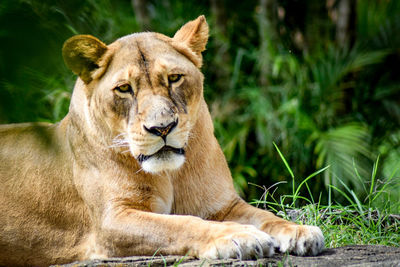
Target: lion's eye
{"type": "Point", "coordinates": [173, 78]}
{"type": "Point", "coordinates": [125, 88]}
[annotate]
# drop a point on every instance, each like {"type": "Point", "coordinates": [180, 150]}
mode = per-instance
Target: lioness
{"type": "Point", "coordinates": [134, 167]}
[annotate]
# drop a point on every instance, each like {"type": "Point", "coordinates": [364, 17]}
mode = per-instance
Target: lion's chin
{"type": "Point", "coordinates": [168, 158]}
{"type": "Point", "coordinates": [169, 162]}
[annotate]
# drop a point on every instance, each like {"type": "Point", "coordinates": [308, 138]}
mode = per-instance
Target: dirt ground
{"type": "Point", "coordinates": [357, 255]}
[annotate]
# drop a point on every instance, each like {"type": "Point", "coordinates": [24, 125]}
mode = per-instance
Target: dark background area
{"type": "Point", "coordinates": [321, 79]}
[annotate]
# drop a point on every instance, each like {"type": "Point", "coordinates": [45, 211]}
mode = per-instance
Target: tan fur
{"type": "Point", "coordinates": [82, 188]}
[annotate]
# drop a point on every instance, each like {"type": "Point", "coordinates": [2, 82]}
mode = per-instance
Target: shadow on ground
{"type": "Point", "coordinates": [363, 255]}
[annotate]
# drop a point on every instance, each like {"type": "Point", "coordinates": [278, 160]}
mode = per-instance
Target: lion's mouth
{"type": "Point", "coordinates": [163, 153]}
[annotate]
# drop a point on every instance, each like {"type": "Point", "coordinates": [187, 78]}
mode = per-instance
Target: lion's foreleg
{"type": "Point", "coordinates": [134, 232]}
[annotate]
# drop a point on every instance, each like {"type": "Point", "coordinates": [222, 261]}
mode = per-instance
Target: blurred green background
{"type": "Point", "coordinates": [320, 78]}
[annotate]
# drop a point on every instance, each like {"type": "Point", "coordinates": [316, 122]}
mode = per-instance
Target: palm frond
{"type": "Point", "coordinates": [338, 147]}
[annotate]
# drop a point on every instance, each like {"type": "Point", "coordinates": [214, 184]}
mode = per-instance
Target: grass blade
{"type": "Point", "coordinates": [309, 177]}
{"type": "Point", "coordinates": [284, 161]}
{"type": "Point", "coordinates": [289, 169]}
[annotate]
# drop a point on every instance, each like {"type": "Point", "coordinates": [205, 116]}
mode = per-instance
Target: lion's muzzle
{"type": "Point", "coordinates": [167, 157]}
{"type": "Point", "coordinates": [164, 149]}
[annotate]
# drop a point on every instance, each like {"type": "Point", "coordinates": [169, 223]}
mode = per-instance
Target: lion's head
{"type": "Point", "coordinates": [141, 92]}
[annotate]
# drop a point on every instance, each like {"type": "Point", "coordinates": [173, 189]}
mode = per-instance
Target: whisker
{"type": "Point", "coordinates": [141, 169]}
{"type": "Point", "coordinates": [121, 134]}
{"type": "Point", "coordinates": [118, 145]}
{"type": "Point", "coordinates": [118, 141]}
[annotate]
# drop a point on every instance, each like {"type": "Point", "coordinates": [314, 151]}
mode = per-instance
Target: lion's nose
{"type": "Point", "coordinates": [161, 130]}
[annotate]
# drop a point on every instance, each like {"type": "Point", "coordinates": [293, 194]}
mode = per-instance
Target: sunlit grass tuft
{"type": "Point", "coordinates": [360, 221]}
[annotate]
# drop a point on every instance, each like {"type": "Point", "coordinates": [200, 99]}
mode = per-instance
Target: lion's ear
{"type": "Point", "coordinates": [82, 54]}
{"type": "Point", "coordinates": [194, 35]}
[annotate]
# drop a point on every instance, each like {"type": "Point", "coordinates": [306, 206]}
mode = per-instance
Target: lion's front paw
{"type": "Point", "coordinates": [300, 239]}
{"type": "Point", "coordinates": [244, 242]}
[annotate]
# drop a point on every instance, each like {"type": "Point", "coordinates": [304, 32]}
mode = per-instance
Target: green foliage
{"type": "Point", "coordinates": [282, 114]}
